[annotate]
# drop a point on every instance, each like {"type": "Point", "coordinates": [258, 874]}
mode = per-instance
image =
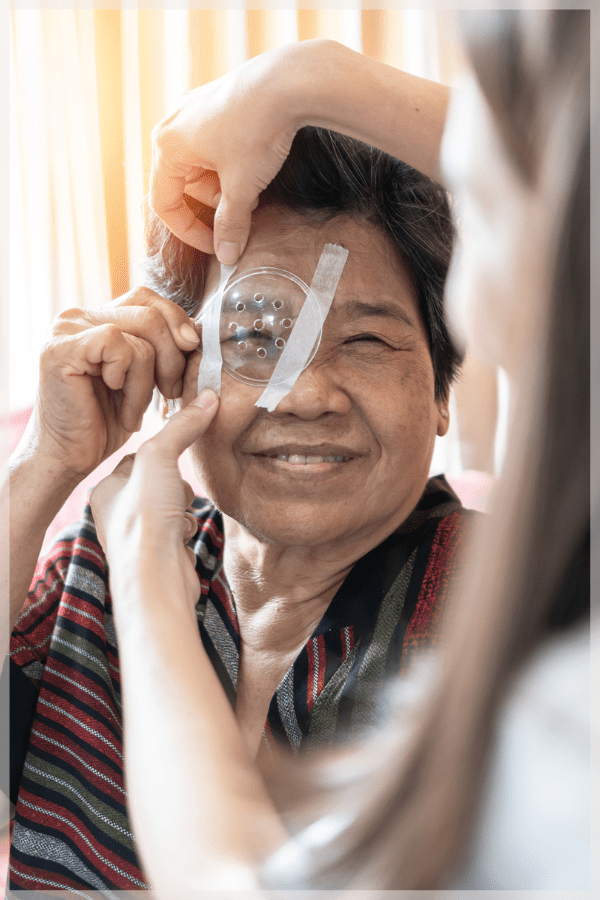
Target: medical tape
{"type": "Point", "coordinates": [209, 374]}
{"type": "Point", "coordinates": [296, 353]}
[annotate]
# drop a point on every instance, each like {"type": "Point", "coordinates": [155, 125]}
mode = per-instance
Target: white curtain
{"type": "Point", "coordinates": [58, 246]}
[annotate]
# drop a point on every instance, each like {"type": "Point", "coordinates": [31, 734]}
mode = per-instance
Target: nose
{"type": "Point", "coordinates": [316, 392]}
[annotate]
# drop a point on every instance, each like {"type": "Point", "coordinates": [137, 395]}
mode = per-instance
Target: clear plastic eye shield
{"type": "Point", "coordinates": [264, 326]}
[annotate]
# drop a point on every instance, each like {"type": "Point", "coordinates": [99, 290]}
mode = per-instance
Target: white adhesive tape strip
{"type": "Point", "coordinates": [209, 374]}
{"type": "Point", "coordinates": [297, 351]}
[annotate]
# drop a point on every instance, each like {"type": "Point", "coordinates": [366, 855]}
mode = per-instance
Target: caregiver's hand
{"type": "Point", "coordinates": [228, 139]}
{"type": "Point", "coordinates": [140, 510]}
{"type": "Point", "coordinates": [97, 375]}
{"type": "Point", "coordinates": [223, 145]}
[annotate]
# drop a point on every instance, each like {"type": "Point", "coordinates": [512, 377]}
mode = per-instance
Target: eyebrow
{"type": "Point", "coordinates": [361, 309]}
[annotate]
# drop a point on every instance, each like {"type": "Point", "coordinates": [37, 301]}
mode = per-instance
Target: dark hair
{"type": "Point", "coordinates": [326, 175]}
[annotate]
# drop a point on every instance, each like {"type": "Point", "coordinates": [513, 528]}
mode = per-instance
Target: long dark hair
{"type": "Point", "coordinates": [527, 569]}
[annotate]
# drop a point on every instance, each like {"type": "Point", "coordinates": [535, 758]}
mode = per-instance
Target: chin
{"type": "Point", "coordinates": [288, 527]}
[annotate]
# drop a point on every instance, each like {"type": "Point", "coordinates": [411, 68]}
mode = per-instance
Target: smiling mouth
{"type": "Point", "coordinates": [301, 459]}
{"type": "Point", "coordinates": [299, 456]}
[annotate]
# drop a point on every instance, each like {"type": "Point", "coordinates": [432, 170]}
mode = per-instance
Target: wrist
{"type": "Point", "coordinates": [40, 452]}
{"type": "Point", "coordinates": [40, 480]}
{"type": "Point", "coordinates": [309, 69]}
{"type": "Point", "coordinates": [151, 576]}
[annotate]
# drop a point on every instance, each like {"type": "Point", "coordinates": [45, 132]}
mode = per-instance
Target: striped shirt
{"type": "Point", "coordinates": [71, 827]}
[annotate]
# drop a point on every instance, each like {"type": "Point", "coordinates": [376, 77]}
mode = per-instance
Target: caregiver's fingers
{"type": "Point", "coordinates": [206, 188]}
{"type": "Point", "coordinates": [232, 224]}
{"type": "Point", "coordinates": [112, 483]}
{"type": "Point", "coordinates": [242, 182]}
{"type": "Point", "coordinates": [185, 427]}
{"type": "Point", "coordinates": [191, 556]}
{"type": "Point", "coordinates": [104, 493]}
{"type": "Point", "coordinates": [234, 207]}
{"type": "Point", "coordinates": [239, 127]}
{"type": "Point", "coordinates": [190, 527]}
{"type": "Point", "coordinates": [124, 467]}
{"type": "Point", "coordinates": [168, 182]}
{"type": "Point", "coordinates": [189, 492]}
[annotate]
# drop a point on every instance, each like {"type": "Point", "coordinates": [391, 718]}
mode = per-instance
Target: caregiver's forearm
{"type": "Point", "coordinates": [351, 93]}
{"type": "Point", "coordinates": [198, 806]}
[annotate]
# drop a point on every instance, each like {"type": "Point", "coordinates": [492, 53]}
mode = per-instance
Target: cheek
{"type": "Point", "coordinates": [213, 456]}
{"type": "Point", "coordinates": [403, 412]}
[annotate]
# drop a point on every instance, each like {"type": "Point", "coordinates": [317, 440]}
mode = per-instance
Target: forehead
{"type": "Point", "coordinates": [284, 239]}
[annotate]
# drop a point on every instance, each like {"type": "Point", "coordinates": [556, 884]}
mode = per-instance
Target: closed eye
{"type": "Point", "coordinates": [365, 337]}
{"type": "Point", "coordinates": [379, 342]}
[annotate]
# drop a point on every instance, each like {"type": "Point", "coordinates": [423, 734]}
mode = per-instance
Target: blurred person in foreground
{"type": "Point", "coordinates": [436, 804]}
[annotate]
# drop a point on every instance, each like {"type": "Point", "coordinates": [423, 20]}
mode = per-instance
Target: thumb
{"type": "Point", "coordinates": [187, 425]}
{"type": "Point", "coordinates": [232, 226]}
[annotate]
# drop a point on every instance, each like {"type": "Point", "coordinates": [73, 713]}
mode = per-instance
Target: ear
{"type": "Point", "coordinates": [443, 418]}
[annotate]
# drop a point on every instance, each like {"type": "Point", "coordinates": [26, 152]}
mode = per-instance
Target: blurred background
{"type": "Point", "coordinates": [86, 88]}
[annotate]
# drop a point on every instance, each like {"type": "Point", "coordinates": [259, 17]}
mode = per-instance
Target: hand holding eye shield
{"type": "Point", "coordinates": [98, 372]}
{"type": "Point", "coordinates": [228, 139]}
{"type": "Point", "coordinates": [223, 151]}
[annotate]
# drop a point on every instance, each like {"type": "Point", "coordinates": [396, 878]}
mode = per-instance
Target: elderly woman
{"type": "Point", "coordinates": [321, 559]}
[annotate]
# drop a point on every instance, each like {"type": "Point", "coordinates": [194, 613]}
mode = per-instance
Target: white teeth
{"type": "Point", "coordinates": [300, 459]}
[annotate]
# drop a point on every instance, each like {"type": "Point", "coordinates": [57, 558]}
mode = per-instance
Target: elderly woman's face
{"type": "Point", "coordinates": [366, 399]}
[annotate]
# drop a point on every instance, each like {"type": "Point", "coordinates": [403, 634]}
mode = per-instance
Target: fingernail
{"type": "Point", "coordinates": [188, 333]}
{"type": "Point", "coordinates": [228, 253]}
{"type": "Point", "coordinates": [206, 399]}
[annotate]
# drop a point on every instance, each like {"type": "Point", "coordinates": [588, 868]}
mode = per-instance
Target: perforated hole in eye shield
{"type": "Point", "coordinates": [259, 309]}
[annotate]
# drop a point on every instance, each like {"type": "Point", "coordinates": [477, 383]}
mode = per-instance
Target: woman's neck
{"type": "Point", "coordinates": [281, 593]}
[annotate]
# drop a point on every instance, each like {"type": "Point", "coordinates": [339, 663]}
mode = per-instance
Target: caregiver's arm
{"type": "Point", "coordinates": [199, 810]}
{"type": "Point", "coordinates": [399, 113]}
{"type": "Point", "coordinates": [242, 125]}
